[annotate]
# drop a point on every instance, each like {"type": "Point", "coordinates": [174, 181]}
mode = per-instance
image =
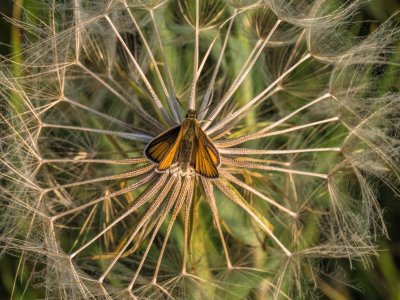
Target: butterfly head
{"type": "Point", "coordinates": [191, 114]}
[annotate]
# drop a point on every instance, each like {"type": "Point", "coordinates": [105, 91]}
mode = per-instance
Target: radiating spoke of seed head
{"type": "Point", "coordinates": [247, 151]}
{"type": "Point", "coordinates": [140, 112]}
{"type": "Point", "coordinates": [240, 183]}
{"type": "Point", "coordinates": [192, 96]}
{"type": "Point", "coordinates": [77, 159]}
{"type": "Point", "coordinates": [234, 196]}
{"type": "Point", "coordinates": [186, 227]}
{"type": "Point", "coordinates": [184, 196]}
{"type": "Point", "coordinates": [248, 65]}
{"type": "Point", "coordinates": [173, 102]}
{"type": "Point", "coordinates": [208, 95]}
{"type": "Point", "coordinates": [138, 136]}
{"type": "Point", "coordinates": [149, 87]}
{"type": "Point", "coordinates": [142, 199]}
{"type": "Point", "coordinates": [242, 164]}
{"type": "Point", "coordinates": [149, 213]}
{"type": "Point", "coordinates": [210, 198]}
{"type": "Point", "coordinates": [126, 175]}
{"type": "Point", "coordinates": [264, 131]}
{"type": "Point", "coordinates": [100, 114]}
{"type": "Point", "coordinates": [253, 101]}
{"type": "Point", "coordinates": [169, 92]}
{"type": "Point", "coordinates": [125, 190]}
{"type": "Point", "coordinates": [251, 137]}
{"type": "Point", "coordinates": [161, 218]}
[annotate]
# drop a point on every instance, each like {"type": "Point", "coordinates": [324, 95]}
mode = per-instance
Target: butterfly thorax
{"type": "Point", "coordinates": [191, 114]}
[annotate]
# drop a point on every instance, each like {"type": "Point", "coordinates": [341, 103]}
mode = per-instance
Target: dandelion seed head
{"type": "Point", "coordinates": [303, 127]}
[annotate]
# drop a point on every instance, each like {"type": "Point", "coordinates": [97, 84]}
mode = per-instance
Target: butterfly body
{"type": "Point", "coordinates": [186, 146]}
{"type": "Point", "coordinates": [186, 149]}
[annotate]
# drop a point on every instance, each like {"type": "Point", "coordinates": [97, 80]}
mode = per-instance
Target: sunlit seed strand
{"type": "Point", "coordinates": [125, 175]}
{"type": "Point", "coordinates": [335, 206]}
{"type": "Point", "coordinates": [224, 189]}
{"type": "Point", "coordinates": [24, 179]}
{"type": "Point", "coordinates": [20, 117]}
{"type": "Point", "coordinates": [171, 85]}
{"type": "Point", "coordinates": [171, 201]}
{"type": "Point", "coordinates": [150, 53]}
{"type": "Point", "coordinates": [138, 137]}
{"type": "Point", "coordinates": [125, 190]}
{"type": "Point", "coordinates": [44, 108]}
{"type": "Point", "coordinates": [97, 113]}
{"type": "Point", "coordinates": [362, 121]}
{"type": "Point", "coordinates": [21, 263]}
{"type": "Point", "coordinates": [245, 151]}
{"type": "Point", "coordinates": [141, 73]}
{"type": "Point", "coordinates": [295, 49]}
{"type": "Point", "coordinates": [188, 205]}
{"type": "Point", "coordinates": [32, 111]}
{"type": "Point", "coordinates": [178, 206]}
{"type": "Point", "coordinates": [294, 188]}
{"type": "Point", "coordinates": [224, 124]}
{"type": "Point", "coordinates": [203, 108]}
{"type": "Point", "coordinates": [242, 75]}
{"type": "Point", "coordinates": [215, 285]}
{"type": "Point", "coordinates": [278, 290]}
{"type": "Point", "coordinates": [25, 207]}
{"type": "Point", "coordinates": [284, 119]}
{"type": "Point", "coordinates": [235, 85]}
{"type": "Point", "coordinates": [52, 69]}
{"type": "Point", "coordinates": [126, 161]}
{"type": "Point", "coordinates": [149, 120]}
{"type": "Point", "coordinates": [88, 221]}
{"type": "Point", "coordinates": [372, 145]}
{"type": "Point", "coordinates": [146, 196]}
{"type": "Point", "coordinates": [253, 136]}
{"type": "Point", "coordinates": [266, 161]}
{"type": "Point", "coordinates": [267, 90]}
{"type": "Point", "coordinates": [208, 188]}
{"type": "Point", "coordinates": [241, 164]}
{"type": "Point", "coordinates": [233, 179]}
{"type": "Point", "coordinates": [204, 60]}
{"type": "Point", "coordinates": [149, 213]}
{"type": "Point", "coordinates": [77, 17]}
{"type": "Point", "coordinates": [18, 181]}
{"type": "Point", "coordinates": [192, 97]}
{"type": "Point", "coordinates": [354, 131]}
{"type": "Point", "coordinates": [61, 78]}
{"type": "Point", "coordinates": [32, 151]}
{"type": "Point", "coordinates": [371, 195]}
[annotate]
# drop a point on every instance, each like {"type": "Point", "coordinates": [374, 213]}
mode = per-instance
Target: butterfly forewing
{"type": "Point", "coordinates": [163, 148]}
{"type": "Point", "coordinates": [212, 151]}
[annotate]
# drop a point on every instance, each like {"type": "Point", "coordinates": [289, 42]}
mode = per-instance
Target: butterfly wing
{"type": "Point", "coordinates": [205, 157]}
{"type": "Point", "coordinates": [162, 149]}
{"type": "Point", "coordinates": [212, 151]}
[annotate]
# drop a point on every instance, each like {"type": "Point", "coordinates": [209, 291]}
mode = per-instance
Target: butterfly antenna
{"type": "Point", "coordinates": [207, 107]}
{"type": "Point", "coordinates": [179, 102]}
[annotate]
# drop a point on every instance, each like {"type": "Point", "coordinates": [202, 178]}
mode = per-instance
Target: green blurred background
{"type": "Point", "coordinates": [381, 281]}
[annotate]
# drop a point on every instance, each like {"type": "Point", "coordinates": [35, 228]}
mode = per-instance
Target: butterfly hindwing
{"type": "Point", "coordinates": [162, 149]}
{"type": "Point", "coordinates": [212, 151]}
